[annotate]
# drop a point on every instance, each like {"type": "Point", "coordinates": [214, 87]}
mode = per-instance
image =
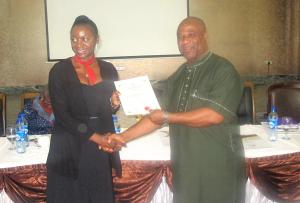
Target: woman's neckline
{"type": "Point", "coordinates": [74, 71]}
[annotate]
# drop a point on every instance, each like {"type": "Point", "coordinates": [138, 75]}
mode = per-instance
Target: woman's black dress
{"type": "Point", "coordinates": [94, 183]}
{"type": "Point", "coordinates": [94, 164]}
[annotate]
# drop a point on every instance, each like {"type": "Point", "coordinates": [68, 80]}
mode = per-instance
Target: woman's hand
{"type": "Point", "coordinates": [112, 143]}
{"type": "Point", "coordinates": [118, 140]}
{"type": "Point", "coordinates": [105, 144]}
{"type": "Point", "coordinates": [115, 100]}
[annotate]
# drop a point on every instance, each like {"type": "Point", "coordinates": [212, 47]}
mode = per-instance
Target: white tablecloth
{"type": "Point", "coordinates": [33, 154]}
{"type": "Point", "coordinates": [260, 146]}
{"type": "Point", "coordinates": [155, 146]}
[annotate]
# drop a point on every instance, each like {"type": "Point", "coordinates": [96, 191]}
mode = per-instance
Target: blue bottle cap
{"type": "Point", "coordinates": [273, 109]}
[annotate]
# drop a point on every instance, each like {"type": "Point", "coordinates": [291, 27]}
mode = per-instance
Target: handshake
{"type": "Point", "coordinates": [111, 142]}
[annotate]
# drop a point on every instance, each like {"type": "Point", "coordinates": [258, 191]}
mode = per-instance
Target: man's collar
{"type": "Point", "coordinates": [202, 59]}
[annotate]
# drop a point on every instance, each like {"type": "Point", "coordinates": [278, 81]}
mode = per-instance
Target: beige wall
{"type": "Point", "coordinates": [247, 32]}
{"type": "Point", "coordinates": [23, 43]}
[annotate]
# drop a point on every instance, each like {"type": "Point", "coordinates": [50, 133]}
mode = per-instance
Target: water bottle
{"type": "Point", "coordinates": [273, 123]}
{"type": "Point", "coordinates": [20, 137]}
{"type": "Point", "coordinates": [24, 127]}
{"type": "Point", "coordinates": [116, 123]}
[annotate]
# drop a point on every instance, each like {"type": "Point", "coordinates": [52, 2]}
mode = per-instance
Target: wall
{"type": "Point", "coordinates": [247, 32]}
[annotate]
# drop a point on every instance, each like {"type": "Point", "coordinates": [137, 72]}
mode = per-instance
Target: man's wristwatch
{"type": "Point", "coordinates": [165, 117]}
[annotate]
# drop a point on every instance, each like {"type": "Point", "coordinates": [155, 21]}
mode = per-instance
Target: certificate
{"type": "Point", "coordinates": [137, 95]}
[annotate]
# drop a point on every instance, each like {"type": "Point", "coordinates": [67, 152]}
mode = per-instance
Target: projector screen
{"type": "Point", "coordinates": [127, 28]}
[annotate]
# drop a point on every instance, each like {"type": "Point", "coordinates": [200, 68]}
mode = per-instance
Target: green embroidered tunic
{"type": "Point", "coordinates": [208, 163]}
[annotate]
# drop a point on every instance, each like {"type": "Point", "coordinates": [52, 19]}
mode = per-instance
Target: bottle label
{"type": "Point", "coordinates": [117, 130]}
{"type": "Point", "coordinates": [20, 142]}
{"type": "Point", "coordinates": [273, 123]}
{"type": "Point", "coordinates": [116, 124]}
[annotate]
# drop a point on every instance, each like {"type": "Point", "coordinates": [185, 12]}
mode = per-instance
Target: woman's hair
{"type": "Point", "coordinates": [84, 20]}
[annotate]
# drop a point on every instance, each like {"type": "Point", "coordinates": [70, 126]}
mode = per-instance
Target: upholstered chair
{"type": "Point", "coordinates": [285, 96]}
{"type": "Point", "coordinates": [246, 109]}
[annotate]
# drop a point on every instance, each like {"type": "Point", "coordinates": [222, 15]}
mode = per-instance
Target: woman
{"type": "Point", "coordinates": [39, 114]}
{"type": "Point", "coordinates": [80, 89]}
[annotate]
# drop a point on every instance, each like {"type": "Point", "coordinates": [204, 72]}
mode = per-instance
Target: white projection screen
{"type": "Point", "coordinates": [127, 28]}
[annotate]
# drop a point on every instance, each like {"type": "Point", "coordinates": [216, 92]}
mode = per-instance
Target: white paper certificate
{"type": "Point", "coordinates": [137, 95]}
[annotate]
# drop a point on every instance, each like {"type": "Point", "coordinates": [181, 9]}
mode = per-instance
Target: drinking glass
{"type": "Point", "coordinates": [11, 136]}
{"type": "Point", "coordinates": [286, 123]}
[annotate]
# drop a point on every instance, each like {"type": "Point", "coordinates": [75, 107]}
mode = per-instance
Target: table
{"type": "Point", "coordinates": [147, 172]}
{"type": "Point", "coordinates": [145, 168]}
{"type": "Point", "coordinates": [273, 167]}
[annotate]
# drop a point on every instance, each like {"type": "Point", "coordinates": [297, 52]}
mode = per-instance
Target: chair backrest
{"type": "Point", "coordinates": [27, 97]}
{"type": "Point", "coordinates": [2, 114]}
{"type": "Point", "coordinates": [285, 96]}
{"type": "Point", "coordinates": [246, 109]}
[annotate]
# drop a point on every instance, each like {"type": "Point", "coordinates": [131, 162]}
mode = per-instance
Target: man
{"type": "Point", "coordinates": [201, 98]}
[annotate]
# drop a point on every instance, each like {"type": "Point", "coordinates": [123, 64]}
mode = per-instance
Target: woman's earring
{"type": "Point", "coordinates": [97, 47]}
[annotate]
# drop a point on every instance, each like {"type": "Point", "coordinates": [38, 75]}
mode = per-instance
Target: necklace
{"type": "Point", "coordinates": [89, 73]}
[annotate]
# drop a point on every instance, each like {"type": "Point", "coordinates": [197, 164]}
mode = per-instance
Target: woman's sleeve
{"type": "Point", "coordinates": [108, 71]}
{"type": "Point", "coordinates": [60, 104]}
{"type": "Point", "coordinates": [115, 77]}
{"type": "Point", "coordinates": [115, 73]}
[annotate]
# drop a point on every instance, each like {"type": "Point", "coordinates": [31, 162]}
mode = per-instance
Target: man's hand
{"type": "Point", "coordinates": [112, 143]}
{"type": "Point", "coordinates": [106, 144]}
{"type": "Point", "coordinates": [157, 116]}
{"type": "Point", "coordinates": [118, 140]}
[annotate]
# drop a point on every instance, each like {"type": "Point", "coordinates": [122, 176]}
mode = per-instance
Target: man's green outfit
{"type": "Point", "coordinates": [208, 162]}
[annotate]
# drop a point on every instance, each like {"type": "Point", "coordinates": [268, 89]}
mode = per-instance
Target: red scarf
{"type": "Point", "coordinates": [47, 108]}
{"type": "Point", "coordinates": [87, 65]}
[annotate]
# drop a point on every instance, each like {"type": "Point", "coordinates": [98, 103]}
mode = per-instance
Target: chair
{"type": "Point", "coordinates": [246, 109]}
{"type": "Point", "coordinates": [27, 97]}
{"type": "Point", "coordinates": [285, 96]}
{"type": "Point", "coordinates": [2, 114]}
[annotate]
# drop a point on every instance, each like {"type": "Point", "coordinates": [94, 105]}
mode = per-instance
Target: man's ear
{"type": "Point", "coordinates": [205, 35]}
